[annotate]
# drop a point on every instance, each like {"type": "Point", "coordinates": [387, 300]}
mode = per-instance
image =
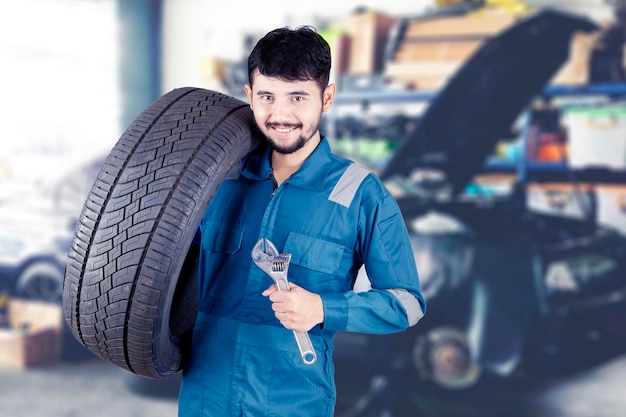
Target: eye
{"type": "Point", "coordinates": [266, 97]}
{"type": "Point", "coordinates": [298, 98]}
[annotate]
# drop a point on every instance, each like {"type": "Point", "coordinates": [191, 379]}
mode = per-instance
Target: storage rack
{"type": "Point", "coordinates": [524, 169]}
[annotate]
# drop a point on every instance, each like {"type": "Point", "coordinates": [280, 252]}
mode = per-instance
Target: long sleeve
{"type": "Point", "coordinates": [394, 301]}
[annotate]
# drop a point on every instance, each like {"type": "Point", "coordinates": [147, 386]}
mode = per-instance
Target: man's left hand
{"type": "Point", "coordinates": [297, 309]}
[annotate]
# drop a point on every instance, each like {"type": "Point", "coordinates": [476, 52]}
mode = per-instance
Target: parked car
{"type": "Point", "coordinates": [36, 228]}
{"type": "Point", "coordinates": [510, 291]}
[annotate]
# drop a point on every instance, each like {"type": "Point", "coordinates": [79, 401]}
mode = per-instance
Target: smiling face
{"type": "Point", "coordinates": [288, 113]}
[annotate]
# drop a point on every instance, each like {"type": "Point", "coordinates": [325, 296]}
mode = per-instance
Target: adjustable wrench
{"type": "Point", "coordinates": [266, 256]}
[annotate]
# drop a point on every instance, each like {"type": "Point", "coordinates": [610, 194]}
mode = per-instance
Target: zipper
{"type": "Point", "coordinates": [275, 187]}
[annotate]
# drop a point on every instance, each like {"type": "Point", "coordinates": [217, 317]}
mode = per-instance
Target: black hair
{"type": "Point", "coordinates": [299, 54]}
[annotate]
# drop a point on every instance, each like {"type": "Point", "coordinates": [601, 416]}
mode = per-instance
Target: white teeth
{"type": "Point", "coordinates": [283, 130]}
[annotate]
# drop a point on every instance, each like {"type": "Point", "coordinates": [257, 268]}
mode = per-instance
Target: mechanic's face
{"type": "Point", "coordinates": [288, 112]}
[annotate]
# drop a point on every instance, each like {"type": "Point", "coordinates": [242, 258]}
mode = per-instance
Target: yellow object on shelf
{"type": "Point", "coordinates": [514, 8]}
{"type": "Point", "coordinates": [441, 3]}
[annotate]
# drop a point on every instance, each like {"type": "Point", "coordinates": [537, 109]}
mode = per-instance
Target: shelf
{"type": "Point", "coordinates": [508, 166]}
{"type": "Point", "coordinates": [586, 175]}
{"type": "Point", "coordinates": [386, 96]}
{"type": "Point", "coordinates": [526, 171]}
{"type": "Point", "coordinates": [557, 172]}
{"type": "Point", "coordinates": [613, 90]}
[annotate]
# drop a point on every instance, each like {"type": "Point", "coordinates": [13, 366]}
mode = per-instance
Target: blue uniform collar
{"type": "Point", "coordinates": [311, 174]}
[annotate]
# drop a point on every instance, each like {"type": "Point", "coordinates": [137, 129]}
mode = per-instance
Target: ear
{"type": "Point", "coordinates": [328, 97]}
{"type": "Point", "coordinates": [248, 90]}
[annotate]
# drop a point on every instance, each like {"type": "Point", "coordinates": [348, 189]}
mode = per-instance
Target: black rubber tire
{"type": "Point", "coordinates": [122, 295]}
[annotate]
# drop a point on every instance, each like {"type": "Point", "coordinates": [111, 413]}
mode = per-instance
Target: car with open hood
{"type": "Point", "coordinates": [511, 291]}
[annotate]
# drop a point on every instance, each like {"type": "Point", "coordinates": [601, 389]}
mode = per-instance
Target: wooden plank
{"type": "Point", "coordinates": [368, 33]}
{"type": "Point", "coordinates": [421, 74]}
{"type": "Point", "coordinates": [451, 51]}
{"type": "Point", "coordinates": [576, 69]}
{"type": "Point", "coordinates": [34, 336]}
{"type": "Point", "coordinates": [472, 24]}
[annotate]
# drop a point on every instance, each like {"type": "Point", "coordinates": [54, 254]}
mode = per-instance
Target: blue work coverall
{"type": "Point", "coordinates": [332, 216]}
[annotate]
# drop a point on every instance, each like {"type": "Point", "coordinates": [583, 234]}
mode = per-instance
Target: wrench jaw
{"type": "Point", "coordinates": [279, 269]}
{"type": "Point", "coordinates": [263, 253]}
{"type": "Point", "coordinates": [264, 246]}
{"type": "Point", "coordinates": [266, 256]}
{"type": "Point", "coordinates": [268, 247]}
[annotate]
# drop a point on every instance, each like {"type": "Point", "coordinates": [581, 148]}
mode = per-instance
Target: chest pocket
{"type": "Point", "coordinates": [222, 238]}
{"type": "Point", "coordinates": [315, 254]}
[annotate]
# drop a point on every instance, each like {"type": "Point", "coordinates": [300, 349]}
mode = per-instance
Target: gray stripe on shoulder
{"type": "Point", "coordinates": [410, 303]}
{"type": "Point", "coordinates": [348, 184]}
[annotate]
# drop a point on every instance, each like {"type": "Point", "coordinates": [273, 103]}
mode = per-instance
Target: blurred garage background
{"type": "Point", "coordinates": [75, 74]}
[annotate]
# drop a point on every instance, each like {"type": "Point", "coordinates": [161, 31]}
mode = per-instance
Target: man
{"type": "Point", "coordinates": [330, 214]}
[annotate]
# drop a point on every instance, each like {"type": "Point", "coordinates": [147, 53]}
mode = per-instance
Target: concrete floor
{"type": "Point", "coordinates": [94, 388]}
{"type": "Point", "coordinates": [596, 392]}
{"type": "Point", "coordinates": [89, 388]}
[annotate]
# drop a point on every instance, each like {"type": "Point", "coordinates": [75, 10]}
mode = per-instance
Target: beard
{"type": "Point", "coordinates": [288, 149]}
{"type": "Point", "coordinates": [292, 147]}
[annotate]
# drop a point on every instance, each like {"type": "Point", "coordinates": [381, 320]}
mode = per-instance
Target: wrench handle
{"type": "Point", "coordinates": [302, 338]}
{"type": "Point", "coordinates": [306, 347]}
{"type": "Point", "coordinates": [282, 284]}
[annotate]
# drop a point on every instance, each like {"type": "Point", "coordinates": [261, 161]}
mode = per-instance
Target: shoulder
{"type": "Point", "coordinates": [359, 184]}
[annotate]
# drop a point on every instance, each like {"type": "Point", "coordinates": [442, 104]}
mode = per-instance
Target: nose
{"type": "Point", "coordinates": [281, 111]}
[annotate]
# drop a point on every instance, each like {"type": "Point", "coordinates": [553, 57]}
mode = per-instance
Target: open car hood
{"type": "Point", "coordinates": [480, 103]}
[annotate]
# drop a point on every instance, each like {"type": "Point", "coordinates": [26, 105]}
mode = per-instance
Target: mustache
{"type": "Point", "coordinates": [283, 125]}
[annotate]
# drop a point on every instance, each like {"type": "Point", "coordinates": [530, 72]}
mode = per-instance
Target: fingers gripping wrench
{"type": "Point", "coordinates": [266, 256]}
